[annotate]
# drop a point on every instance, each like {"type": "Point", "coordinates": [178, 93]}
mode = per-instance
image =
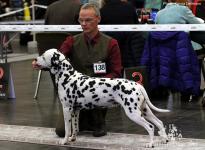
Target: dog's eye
{"type": "Point", "coordinates": [43, 58]}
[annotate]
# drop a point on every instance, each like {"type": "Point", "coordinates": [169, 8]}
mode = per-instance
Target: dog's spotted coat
{"type": "Point", "coordinates": [77, 91]}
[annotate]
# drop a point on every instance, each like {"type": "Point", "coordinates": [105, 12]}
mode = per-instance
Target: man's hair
{"type": "Point", "coordinates": [92, 6]}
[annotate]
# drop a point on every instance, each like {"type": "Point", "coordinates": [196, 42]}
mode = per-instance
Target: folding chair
{"type": "Point", "coordinates": [47, 40]}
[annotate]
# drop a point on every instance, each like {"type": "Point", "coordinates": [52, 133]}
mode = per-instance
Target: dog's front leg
{"type": "Point", "coordinates": [67, 120]}
{"type": "Point", "coordinates": [75, 127]}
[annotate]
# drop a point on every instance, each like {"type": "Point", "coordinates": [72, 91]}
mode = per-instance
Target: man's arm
{"type": "Point", "coordinates": [67, 45]}
{"type": "Point", "coordinates": [114, 66]}
{"type": "Point", "coordinates": [190, 18]}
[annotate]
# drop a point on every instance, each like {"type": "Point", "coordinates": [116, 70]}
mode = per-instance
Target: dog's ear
{"type": "Point", "coordinates": [55, 60]}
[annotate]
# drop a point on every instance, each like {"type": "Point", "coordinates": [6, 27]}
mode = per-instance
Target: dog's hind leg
{"type": "Point", "coordinates": [147, 113]}
{"type": "Point", "coordinates": [76, 123]}
{"type": "Point", "coordinates": [67, 120]}
{"type": "Point", "coordinates": [137, 118]}
{"type": "Point", "coordinates": [75, 127]}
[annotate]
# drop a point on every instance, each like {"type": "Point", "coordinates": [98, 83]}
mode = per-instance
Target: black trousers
{"type": "Point", "coordinates": [89, 120]}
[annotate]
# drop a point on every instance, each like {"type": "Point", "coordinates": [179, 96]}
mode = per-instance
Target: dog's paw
{"type": "Point", "coordinates": [149, 145]}
{"type": "Point", "coordinates": [164, 137]}
{"type": "Point", "coordinates": [165, 141]}
{"type": "Point", "coordinates": [72, 139]}
{"type": "Point", "coordinates": [63, 141]}
{"type": "Point", "coordinates": [163, 134]}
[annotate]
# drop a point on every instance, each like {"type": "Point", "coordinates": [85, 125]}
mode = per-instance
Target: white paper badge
{"type": "Point", "coordinates": [99, 68]}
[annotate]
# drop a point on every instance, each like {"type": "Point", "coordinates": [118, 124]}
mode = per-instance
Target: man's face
{"type": "Point", "coordinates": [88, 21]}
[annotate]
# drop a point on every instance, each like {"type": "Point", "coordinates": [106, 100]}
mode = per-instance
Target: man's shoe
{"type": "Point", "coordinates": [60, 132]}
{"type": "Point", "coordinates": [99, 133]}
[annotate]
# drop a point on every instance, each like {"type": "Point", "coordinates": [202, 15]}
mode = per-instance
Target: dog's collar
{"type": "Point", "coordinates": [57, 66]}
{"type": "Point", "coordinates": [62, 61]}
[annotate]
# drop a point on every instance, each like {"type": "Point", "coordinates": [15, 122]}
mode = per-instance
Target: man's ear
{"type": "Point", "coordinates": [99, 19]}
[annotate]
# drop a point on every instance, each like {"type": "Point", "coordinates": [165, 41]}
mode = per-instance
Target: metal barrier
{"type": "Point", "coordinates": [114, 28]}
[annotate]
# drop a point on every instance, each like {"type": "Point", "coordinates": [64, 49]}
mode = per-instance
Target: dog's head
{"type": "Point", "coordinates": [50, 59]}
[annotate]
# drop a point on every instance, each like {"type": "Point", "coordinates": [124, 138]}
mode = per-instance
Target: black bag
{"type": "Point", "coordinates": [198, 36]}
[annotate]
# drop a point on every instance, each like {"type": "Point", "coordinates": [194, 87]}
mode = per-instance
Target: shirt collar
{"type": "Point", "coordinates": [93, 40]}
{"type": "Point", "coordinates": [171, 4]}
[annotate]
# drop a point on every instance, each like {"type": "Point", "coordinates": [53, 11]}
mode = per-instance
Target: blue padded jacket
{"type": "Point", "coordinates": [171, 62]}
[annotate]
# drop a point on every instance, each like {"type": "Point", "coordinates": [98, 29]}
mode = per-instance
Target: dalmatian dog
{"type": "Point", "coordinates": [77, 91]}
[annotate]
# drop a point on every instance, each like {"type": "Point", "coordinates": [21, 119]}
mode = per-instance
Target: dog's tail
{"type": "Point", "coordinates": [147, 100]}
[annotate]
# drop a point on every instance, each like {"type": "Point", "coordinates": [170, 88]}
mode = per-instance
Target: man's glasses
{"type": "Point", "coordinates": [87, 20]}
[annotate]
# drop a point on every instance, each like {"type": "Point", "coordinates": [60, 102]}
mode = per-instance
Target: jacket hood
{"type": "Point", "coordinates": [163, 35]}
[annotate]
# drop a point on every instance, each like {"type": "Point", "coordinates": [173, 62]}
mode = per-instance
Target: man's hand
{"type": "Point", "coordinates": [35, 65]}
